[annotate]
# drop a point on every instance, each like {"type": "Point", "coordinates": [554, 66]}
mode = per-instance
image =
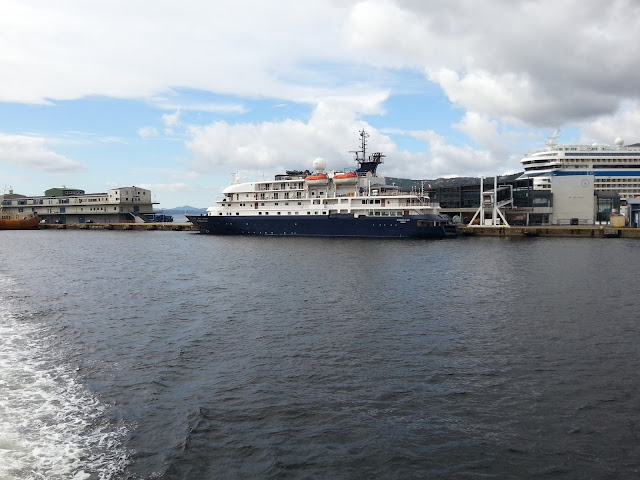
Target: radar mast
{"type": "Point", "coordinates": [366, 164]}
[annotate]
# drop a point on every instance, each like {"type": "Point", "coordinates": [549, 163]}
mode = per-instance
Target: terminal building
{"type": "Point", "coordinates": [572, 184]}
{"type": "Point", "coordinates": [69, 205]}
{"type": "Point", "coordinates": [568, 200]}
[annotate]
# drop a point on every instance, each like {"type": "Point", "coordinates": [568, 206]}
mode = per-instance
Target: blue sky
{"type": "Point", "coordinates": [178, 96]}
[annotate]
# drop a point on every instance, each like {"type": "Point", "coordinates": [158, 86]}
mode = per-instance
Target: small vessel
{"type": "Point", "coordinates": [345, 178]}
{"type": "Point", "coordinates": [26, 223]}
{"type": "Point", "coordinates": [326, 204]}
{"type": "Point", "coordinates": [318, 179]}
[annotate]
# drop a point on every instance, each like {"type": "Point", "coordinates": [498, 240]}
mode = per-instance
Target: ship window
{"type": "Point", "coordinates": [259, 213]}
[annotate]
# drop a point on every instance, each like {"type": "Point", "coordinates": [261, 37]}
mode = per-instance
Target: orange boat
{"type": "Point", "coordinates": [7, 223]}
{"type": "Point", "coordinates": [349, 177]}
{"type": "Point", "coordinates": [318, 179]}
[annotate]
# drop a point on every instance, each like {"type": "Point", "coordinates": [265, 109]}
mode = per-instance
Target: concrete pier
{"type": "Point", "coordinates": [170, 226]}
{"type": "Point", "coordinates": [589, 231]}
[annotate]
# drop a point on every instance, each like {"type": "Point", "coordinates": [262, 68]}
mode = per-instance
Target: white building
{"type": "Point", "coordinates": [66, 205]}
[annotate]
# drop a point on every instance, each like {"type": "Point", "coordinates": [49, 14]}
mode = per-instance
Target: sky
{"type": "Point", "coordinates": [177, 96]}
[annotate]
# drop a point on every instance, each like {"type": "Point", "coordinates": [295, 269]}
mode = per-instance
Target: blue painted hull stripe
{"type": "Point", "coordinates": [605, 173]}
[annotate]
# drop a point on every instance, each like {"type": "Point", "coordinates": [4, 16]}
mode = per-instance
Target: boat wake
{"type": "Point", "coordinates": [51, 426]}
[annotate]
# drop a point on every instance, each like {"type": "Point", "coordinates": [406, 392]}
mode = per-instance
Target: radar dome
{"type": "Point", "coordinates": [619, 142]}
{"type": "Point", "coordinates": [319, 164]}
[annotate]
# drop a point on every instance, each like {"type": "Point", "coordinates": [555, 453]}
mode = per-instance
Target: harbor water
{"type": "Point", "coordinates": [175, 355]}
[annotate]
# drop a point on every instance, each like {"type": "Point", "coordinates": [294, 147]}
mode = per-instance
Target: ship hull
{"type": "Point", "coordinates": [19, 224]}
{"type": "Point", "coordinates": [341, 225]}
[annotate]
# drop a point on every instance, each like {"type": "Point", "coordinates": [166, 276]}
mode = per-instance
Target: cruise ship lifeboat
{"type": "Point", "coordinates": [345, 178]}
{"type": "Point", "coordinates": [318, 179]}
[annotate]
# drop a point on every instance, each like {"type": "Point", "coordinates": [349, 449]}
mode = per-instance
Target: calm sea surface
{"type": "Point", "coordinates": [174, 355]}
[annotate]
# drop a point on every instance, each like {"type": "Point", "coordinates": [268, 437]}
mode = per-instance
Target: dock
{"type": "Point", "coordinates": [587, 231]}
{"type": "Point", "coordinates": [163, 226]}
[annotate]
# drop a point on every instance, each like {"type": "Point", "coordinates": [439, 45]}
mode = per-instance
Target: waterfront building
{"type": "Point", "coordinates": [71, 205]}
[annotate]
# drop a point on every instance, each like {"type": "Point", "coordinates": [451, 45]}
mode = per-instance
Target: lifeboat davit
{"type": "Point", "coordinates": [345, 178]}
{"type": "Point", "coordinates": [318, 179]}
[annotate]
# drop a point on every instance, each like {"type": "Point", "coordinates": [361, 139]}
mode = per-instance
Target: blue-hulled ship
{"type": "Point", "coordinates": [326, 203]}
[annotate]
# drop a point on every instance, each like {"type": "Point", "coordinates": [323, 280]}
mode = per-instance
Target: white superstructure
{"type": "Point", "coordinates": [615, 169]}
{"type": "Point", "coordinates": [320, 193]}
{"type": "Point", "coordinates": [359, 192]}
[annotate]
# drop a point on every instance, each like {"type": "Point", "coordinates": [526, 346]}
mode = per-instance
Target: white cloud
{"type": "Point", "coordinates": [506, 65]}
{"type": "Point", "coordinates": [31, 153]}
{"type": "Point", "coordinates": [624, 123]}
{"type": "Point", "coordinates": [147, 132]}
{"type": "Point", "coordinates": [332, 132]}
{"type": "Point", "coordinates": [290, 144]}
{"type": "Point", "coordinates": [535, 63]}
{"type": "Point", "coordinates": [171, 119]}
{"type": "Point", "coordinates": [226, 108]}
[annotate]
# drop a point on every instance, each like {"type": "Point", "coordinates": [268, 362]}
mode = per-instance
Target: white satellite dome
{"type": "Point", "coordinates": [319, 164]}
{"type": "Point", "coordinates": [619, 142]}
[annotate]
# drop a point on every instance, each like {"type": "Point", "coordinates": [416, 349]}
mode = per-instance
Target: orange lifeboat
{"type": "Point", "coordinates": [349, 177]}
{"type": "Point", "coordinates": [318, 179]}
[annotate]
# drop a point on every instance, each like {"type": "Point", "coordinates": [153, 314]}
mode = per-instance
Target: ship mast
{"type": "Point", "coordinates": [366, 164]}
{"type": "Point", "coordinates": [363, 147]}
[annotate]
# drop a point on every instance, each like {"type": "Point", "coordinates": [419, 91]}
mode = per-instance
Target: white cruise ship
{"type": "Point", "coordinates": [348, 203]}
{"type": "Point", "coordinates": [615, 169]}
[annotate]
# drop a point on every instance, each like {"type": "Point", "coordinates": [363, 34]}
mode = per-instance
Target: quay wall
{"type": "Point", "coordinates": [178, 227]}
{"type": "Point", "coordinates": [592, 231]}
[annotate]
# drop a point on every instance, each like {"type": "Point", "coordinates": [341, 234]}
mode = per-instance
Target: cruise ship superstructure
{"type": "Point", "coordinates": [327, 203]}
{"type": "Point", "coordinates": [615, 169]}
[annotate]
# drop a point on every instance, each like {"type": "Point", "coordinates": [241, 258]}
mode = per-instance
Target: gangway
{"type": "Point", "coordinates": [490, 203]}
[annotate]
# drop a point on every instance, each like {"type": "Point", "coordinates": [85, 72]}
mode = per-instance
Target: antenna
{"type": "Point", "coordinates": [363, 145]}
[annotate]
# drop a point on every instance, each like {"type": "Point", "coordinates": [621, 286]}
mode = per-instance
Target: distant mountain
{"type": "Point", "coordinates": [185, 210]}
{"type": "Point", "coordinates": [407, 185]}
